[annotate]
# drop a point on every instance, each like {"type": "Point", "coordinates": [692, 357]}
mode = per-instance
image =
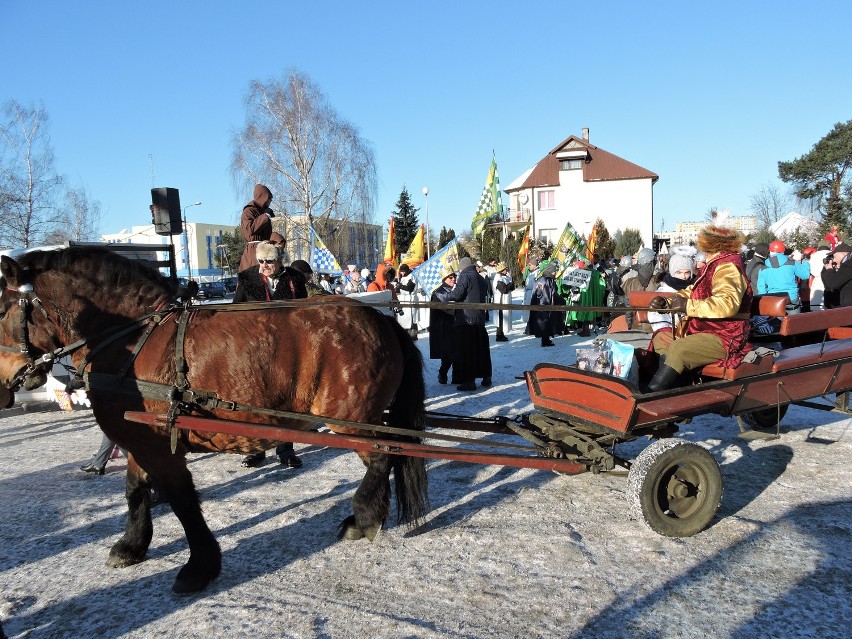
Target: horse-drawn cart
{"type": "Point", "coordinates": [237, 379]}
{"type": "Point", "coordinates": [580, 417]}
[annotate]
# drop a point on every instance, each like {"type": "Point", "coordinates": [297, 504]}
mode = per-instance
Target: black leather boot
{"type": "Point", "coordinates": [664, 378]}
{"type": "Point", "coordinates": [91, 468]}
{"type": "Point", "coordinates": [254, 460]}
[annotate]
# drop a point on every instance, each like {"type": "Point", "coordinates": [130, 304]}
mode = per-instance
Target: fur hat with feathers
{"type": "Point", "coordinates": [714, 239]}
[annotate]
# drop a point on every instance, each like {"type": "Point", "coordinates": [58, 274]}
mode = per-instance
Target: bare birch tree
{"type": "Point", "coordinates": [29, 184]}
{"type": "Point", "coordinates": [769, 205]}
{"type": "Point", "coordinates": [79, 219]}
{"type": "Point", "coordinates": [315, 162]}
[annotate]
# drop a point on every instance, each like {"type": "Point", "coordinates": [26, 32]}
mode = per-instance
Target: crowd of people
{"type": "Point", "coordinates": [704, 318]}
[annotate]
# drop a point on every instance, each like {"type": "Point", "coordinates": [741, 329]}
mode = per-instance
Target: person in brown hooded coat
{"type": "Point", "coordinates": [256, 224]}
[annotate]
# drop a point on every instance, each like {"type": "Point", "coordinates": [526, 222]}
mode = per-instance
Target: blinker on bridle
{"type": "Point", "coordinates": [27, 300]}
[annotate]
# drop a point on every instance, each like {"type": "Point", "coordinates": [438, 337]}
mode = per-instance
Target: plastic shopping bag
{"type": "Point", "coordinates": [606, 356]}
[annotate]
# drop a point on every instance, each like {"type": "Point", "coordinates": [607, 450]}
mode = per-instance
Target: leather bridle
{"type": "Point", "coordinates": [27, 302]}
{"type": "Point", "coordinates": [30, 300]}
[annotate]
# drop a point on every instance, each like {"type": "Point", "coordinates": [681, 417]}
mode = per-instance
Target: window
{"type": "Point", "coordinates": [571, 165]}
{"type": "Point", "coordinates": [546, 200]}
{"type": "Point", "coordinates": [547, 235]}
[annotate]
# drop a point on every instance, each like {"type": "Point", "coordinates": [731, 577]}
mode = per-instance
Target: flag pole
{"type": "Point", "coordinates": [426, 196]}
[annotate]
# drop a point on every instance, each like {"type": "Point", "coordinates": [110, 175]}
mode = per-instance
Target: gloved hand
{"type": "Point", "coordinates": [678, 304]}
{"type": "Point", "coordinates": [658, 302]}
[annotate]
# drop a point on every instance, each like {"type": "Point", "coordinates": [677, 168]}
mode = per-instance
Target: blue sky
{"type": "Point", "coordinates": [709, 96]}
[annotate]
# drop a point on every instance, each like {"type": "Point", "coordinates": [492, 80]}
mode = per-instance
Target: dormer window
{"type": "Point", "coordinates": [570, 165]}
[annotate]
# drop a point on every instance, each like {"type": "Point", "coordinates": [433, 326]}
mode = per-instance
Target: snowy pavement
{"type": "Point", "coordinates": [503, 553]}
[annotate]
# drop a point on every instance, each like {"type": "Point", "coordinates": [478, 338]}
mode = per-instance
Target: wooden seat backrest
{"type": "Point", "coordinates": [641, 299]}
{"type": "Point", "coordinates": [772, 305]}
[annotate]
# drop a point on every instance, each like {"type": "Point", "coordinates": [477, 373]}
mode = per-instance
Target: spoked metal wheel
{"type": "Point", "coordinates": [675, 487]}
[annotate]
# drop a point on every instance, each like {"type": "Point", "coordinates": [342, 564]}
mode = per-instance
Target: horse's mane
{"type": "Point", "coordinates": [98, 265]}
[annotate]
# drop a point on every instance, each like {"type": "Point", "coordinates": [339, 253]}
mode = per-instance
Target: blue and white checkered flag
{"type": "Point", "coordinates": [429, 274]}
{"type": "Point", "coordinates": [322, 260]}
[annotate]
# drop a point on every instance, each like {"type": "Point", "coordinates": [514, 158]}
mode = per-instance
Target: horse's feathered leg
{"type": "Point", "coordinates": [173, 480]}
{"type": "Point", "coordinates": [133, 545]}
{"type": "Point", "coordinates": [205, 556]}
{"type": "Point", "coordinates": [371, 503]}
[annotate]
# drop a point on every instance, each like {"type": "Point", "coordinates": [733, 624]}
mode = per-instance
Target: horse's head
{"type": "Point", "coordinates": [25, 335]}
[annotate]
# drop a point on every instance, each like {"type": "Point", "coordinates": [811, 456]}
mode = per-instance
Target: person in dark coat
{"type": "Point", "coordinates": [757, 263]}
{"type": "Point", "coordinates": [270, 280]}
{"type": "Point", "coordinates": [441, 332]}
{"type": "Point", "coordinates": [308, 273]}
{"type": "Point", "coordinates": [256, 224]}
{"type": "Point", "coordinates": [472, 357]}
{"type": "Point", "coordinates": [545, 325]}
{"type": "Point", "coordinates": [837, 277]}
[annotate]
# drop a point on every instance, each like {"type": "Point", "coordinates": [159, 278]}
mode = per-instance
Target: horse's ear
{"type": "Point", "coordinates": [11, 271]}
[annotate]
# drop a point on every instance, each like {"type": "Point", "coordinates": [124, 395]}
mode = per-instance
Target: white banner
{"type": "Point", "coordinates": [577, 277]}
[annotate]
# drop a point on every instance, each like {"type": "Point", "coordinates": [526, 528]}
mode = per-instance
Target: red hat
{"type": "Point", "coordinates": [809, 250]}
{"type": "Point", "coordinates": [777, 246]}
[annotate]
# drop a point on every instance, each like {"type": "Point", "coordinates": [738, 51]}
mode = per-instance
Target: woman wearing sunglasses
{"type": "Point", "coordinates": [270, 280]}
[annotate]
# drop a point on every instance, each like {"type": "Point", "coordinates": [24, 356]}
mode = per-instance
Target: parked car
{"type": "Point", "coordinates": [230, 284]}
{"type": "Point", "coordinates": [208, 290]}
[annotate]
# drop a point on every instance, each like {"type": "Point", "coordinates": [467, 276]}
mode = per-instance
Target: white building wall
{"type": "Point", "coordinates": [202, 240]}
{"type": "Point", "coordinates": [621, 204]}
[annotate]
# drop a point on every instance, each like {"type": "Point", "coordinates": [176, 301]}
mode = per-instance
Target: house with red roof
{"type": "Point", "coordinates": [578, 182]}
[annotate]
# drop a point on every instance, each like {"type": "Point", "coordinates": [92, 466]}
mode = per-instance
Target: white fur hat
{"type": "Point", "coordinates": [267, 251]}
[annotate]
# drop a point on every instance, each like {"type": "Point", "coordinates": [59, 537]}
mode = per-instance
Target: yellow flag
{"type": "Point", "coordinates": [390, 246]}
{"type": "Point", "coordinates": [417, 251]}
{"type": "Point", "coordinates": [524, 252]}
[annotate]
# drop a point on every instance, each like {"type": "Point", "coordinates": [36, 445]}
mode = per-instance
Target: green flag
{"type": "Point", "coordinates": [570, 248]}
{"type": "Point", "coordinates": [490, 202]}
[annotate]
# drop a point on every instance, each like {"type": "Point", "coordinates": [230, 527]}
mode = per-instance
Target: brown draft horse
{"type": "Point", "coordinates": [312, 359]}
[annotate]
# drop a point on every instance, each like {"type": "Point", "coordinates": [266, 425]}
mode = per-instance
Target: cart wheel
{"type": "Point", "coordinates": [675, 487]}
{"type": "Point", "coordinates": [766, 418]}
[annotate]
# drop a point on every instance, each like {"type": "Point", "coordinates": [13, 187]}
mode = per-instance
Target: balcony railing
{"type": "Point", "coordinates": [512, 216]}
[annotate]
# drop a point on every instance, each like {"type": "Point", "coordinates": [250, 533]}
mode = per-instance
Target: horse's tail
{"type": "Point", "coordinates": [408, 410]}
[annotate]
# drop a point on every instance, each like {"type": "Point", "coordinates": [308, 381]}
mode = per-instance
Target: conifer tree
{"type": "Point", "coordinates": [823, 173]}
{"type": "Point", "coordinates": [629, 242]}
{"type": "Point", "coordinates": [406, 223]}
{"type": "Point", "coordinates": [445, 237]}
{"type": "Point", "coordinates": [604, 244]}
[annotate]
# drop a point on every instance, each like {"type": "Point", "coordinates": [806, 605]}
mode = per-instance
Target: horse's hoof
{"type": "Point", "coordinates": [348, 530]}
{"type": "Point", "coordinates": [120, 557]}
{"type": "Point", "coordinates": [372, 532]}
{"type": "Point", "coordinates": [187, 582]}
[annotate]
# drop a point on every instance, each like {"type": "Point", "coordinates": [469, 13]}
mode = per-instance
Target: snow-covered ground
{"type": "Point", "coordinates": [503, 553]}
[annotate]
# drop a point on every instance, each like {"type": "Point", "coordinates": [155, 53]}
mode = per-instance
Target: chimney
{"type": "Point", "coordinates": [586, 134]}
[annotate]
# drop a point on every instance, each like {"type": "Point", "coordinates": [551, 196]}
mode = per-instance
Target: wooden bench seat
{"type": "Point", "coordinates": [837, 321]}
{"type": "Point", "coordinates": [812, 354]}
{"type": "Point", "coordinates": [743, 370]}
{"type": "Point", "coordinates": [840, 332]}
{"type": "Point", "coordinates": [815, 321]}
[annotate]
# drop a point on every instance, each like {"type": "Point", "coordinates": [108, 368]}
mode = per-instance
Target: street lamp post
{"type": "Point", "coordinates": [186, 239]}
{"type": "Point", "coordinates": [426, 195]}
